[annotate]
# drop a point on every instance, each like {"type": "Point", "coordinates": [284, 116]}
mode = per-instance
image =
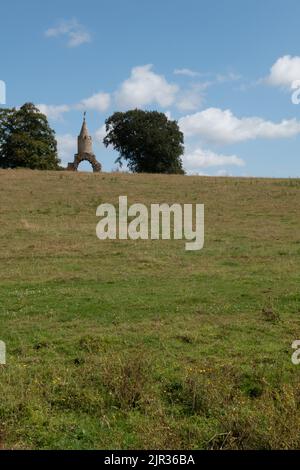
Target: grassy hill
{"type": "Point", "coordinates": [141, 344]}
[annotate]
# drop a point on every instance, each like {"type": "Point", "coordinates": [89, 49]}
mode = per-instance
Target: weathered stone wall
{"type": "Point", "coordinates": [81, 157]}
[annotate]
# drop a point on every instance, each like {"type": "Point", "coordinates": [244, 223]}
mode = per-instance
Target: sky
{"type": "Point", "coordinates": [226, 70]}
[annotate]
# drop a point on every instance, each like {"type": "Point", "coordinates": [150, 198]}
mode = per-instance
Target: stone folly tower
{"type": "Point", "coordinates": [84, 150]}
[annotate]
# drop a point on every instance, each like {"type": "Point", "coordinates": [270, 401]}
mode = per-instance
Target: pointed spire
{"type": "Point", "coordinates": [84, 130]}
{"type": "Point", "coordinates": [84, 139]}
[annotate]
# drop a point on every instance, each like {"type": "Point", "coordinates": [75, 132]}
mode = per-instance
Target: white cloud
{"type": "Point", "coordinates": [145, 87]}
{"type": "Point", "coordinates": [142, 88]}
{"type": "Point", "coordinates": [223, 172]}
{"type": "Point", "coordinates": [66, 146]}
{"type": "Point", "coordinates": [168, 115]}
{"type": "Point", "coordinates": [54, 112]}
{"type": "Point", "coordinates": [76, 38]}
{"type": "Point", "coordinates": [214, 78]}
{"type": "Point", "coordinates": [221, 126]}
{"type": "Point", "coordinates": [228, 77]}
{"type": "Point", "coordinates": [100, 133]}
{"type": "Point", "coordinates": [187, 72]}
{"type": "Point", "coordinates": [98, 102]}
{"type": "Point", "coordinates": [75, 33]}
{"type": "Point", "coordinates": [203, 158]}
{"type": "Point", "coordinates": [284, 71]}
{"type": "Point", "coordinates": [189, 101]}
{"type": "Point", "coordinates": [191, 98]}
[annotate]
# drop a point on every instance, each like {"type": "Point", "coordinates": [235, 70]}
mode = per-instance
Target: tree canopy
{"type": "Point", "coordinates": [147, 140]}
{"type": "Point", "coordinates": [26, 139]}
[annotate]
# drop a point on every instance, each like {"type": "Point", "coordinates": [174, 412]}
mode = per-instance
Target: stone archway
{"type": "Point", "coordinates": [89, 157]}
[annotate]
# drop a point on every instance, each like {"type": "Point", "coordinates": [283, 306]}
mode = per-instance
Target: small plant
{"type": "Point", "coordinates": [125, 381]}
{"type": "Point", "coordinates": [270, 315]}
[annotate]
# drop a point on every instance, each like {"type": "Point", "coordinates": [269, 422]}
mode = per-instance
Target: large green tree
{"type": "Point", "coordinates": [26, 139]}
{"type": "Point", "coordinates": [147, 140]}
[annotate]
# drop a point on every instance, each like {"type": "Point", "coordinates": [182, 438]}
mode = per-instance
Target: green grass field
{"type": "Point", "coordinates": [141, 344]}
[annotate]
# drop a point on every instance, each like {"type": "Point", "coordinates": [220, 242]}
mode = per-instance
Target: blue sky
{"type": "Point", "coordinates": [223, 68]}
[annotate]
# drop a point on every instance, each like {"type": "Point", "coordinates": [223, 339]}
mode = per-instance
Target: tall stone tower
{"type": "Point", "coordinates": [84, 150]}
{"type": "Point", "coordinates": [84, 140]}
